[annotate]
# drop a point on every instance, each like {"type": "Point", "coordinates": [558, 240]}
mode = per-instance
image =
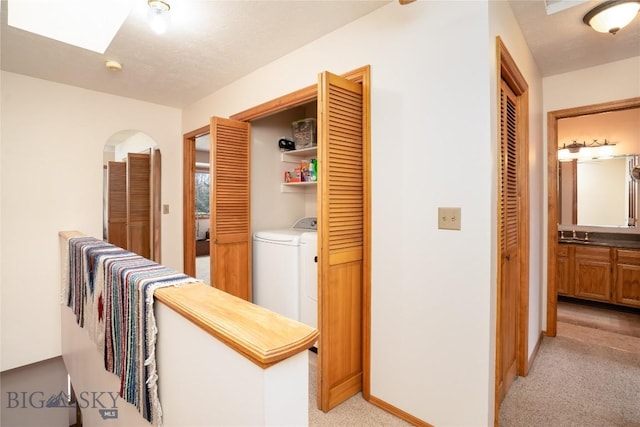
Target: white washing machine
{"type": "Point", "coordinates": [276, 267]}
{"type": "Point", "coordinates": [309, 278]}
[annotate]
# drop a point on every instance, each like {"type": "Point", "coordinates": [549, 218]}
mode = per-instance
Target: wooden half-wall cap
{"type": "Point", "coordinates": [261, 335]}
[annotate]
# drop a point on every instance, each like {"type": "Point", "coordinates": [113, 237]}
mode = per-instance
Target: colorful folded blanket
{"type": "Point", "coordinates": [110, 291]}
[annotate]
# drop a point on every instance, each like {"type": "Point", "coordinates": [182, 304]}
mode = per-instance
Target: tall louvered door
{"type": "Point", "coordinates": [508, 285]}
{"type": "Point", "coordinates": [117, 203]}
{"type": "Point", "coordinates": [139, 204]}
{"type": "Point", "coordinates": [341, 207]}
{"type": "Point", "coordinates": [230, 207]}
{"type": "Point", "coordinates": [156, 197]}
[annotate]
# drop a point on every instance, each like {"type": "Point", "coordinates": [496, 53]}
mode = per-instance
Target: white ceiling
{"type": "Point", "coordinates": [209, 44]}
{"type": "Point", "coordinates": [561, 42]}
{"type": "Point", "coordinates": [212, 43]}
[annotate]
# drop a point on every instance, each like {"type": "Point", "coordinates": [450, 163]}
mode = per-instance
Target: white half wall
{"type": "Point", "coordinates": [52, 146]}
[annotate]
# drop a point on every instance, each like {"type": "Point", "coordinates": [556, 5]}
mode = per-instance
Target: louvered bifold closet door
{"type": "Point", "coordinates": [341, 236]}
{"type": "Point", "coordinates": [509, 241]}
{"type": "Point", "coordinates": [117, 204]}
{"type": "Point", "coordinates": [156, 197]}
{"type": "Point", "coordinates": [139, 204]}
{"type": "Point", "coordinates": [230, 207]}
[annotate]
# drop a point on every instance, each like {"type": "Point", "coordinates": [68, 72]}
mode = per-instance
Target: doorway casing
{"type": "Point", "coordinates": [508, 71]}
{"type": "Point", "coordinates": [552, 201]}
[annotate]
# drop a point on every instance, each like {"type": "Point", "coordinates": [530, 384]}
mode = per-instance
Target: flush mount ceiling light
{"type": "Point", "coordinates": [611, 16]}
{"type": "Point", "coordinates": [158, 15]}
{"type": "Point", "coordinates": [113, 65]}
{"type": "Point", "coordinates": [159, 5]}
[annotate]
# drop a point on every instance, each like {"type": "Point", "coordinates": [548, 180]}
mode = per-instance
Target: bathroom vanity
{"type": "Point", "coordinates": [601, 267]}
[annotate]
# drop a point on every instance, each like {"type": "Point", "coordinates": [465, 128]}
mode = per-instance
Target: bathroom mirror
{"type": "Point", "coordinates": [131, 193]}
{"type": "Point", "coordinates": [598, 192]}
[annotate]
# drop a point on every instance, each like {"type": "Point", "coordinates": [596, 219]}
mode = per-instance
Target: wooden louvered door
{"type": "Point", "coordinates": [139, 204]}
{"type": "Point", "coordinates": [117, 203]}
{"type": "Point", "coordinates": [230, 207]}
{"type": "Point", "coordinates": [341, 205]}
{"type": "Point", "coordinates": [509, 285]}
{"type": "Point", "coordinates": [156, 197]}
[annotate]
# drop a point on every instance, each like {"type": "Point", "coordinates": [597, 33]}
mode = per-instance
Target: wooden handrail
{"type": "Point", "coordinates": [262, 336]}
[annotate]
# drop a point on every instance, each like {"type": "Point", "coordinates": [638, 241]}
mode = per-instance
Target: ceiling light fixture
{"type": "Point", "coordinates": [611, 16]}
{"type": "Point", "coordinates": [159, 5]}
{"type": "Point", "coordinates": [158, 15]}
{"type": "Point", "coordinates": [113, 65]}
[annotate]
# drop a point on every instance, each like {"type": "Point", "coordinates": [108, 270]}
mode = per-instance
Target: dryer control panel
{"type": "Point", "coordinates": [306, 223]}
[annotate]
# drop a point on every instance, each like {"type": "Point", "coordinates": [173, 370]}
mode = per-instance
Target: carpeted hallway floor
{"type": "Point", "coordinates": [586, 376]}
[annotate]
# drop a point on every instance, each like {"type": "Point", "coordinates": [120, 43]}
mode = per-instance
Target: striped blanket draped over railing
{"type": "Point", "coordinates": [110, 291]}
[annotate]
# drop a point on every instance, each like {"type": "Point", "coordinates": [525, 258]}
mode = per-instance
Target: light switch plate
{"type": "Point", "coordinates": [449, 218]}
{"type": "Point", "coordinates": [165, 209]}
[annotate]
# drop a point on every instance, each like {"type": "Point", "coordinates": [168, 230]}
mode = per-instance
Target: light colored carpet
{"type": "Point", "coordinates": [579, 381]}
{"type": "Point", "coordinates": [203, 270]}
{"type": "Point", "coordinates": [354, 412]}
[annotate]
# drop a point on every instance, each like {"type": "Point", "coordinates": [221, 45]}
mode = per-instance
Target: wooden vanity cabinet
{"type": "Point", "coordinates": [627, 278]}
{"type": "Point", "coordinates": [592, 275]}
{"type": "Point", "coordinates": [564, 270]}
{"type": "Point", "coordinates": [597, 273]}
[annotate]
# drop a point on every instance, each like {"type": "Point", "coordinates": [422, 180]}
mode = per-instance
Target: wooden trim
{"type": "Point", "coordinates": [293, 99]}
{"type": "Point", "coordinates": [363, 76]}
{"type": "Point", "coordinates": [189, 199]}
{"type": "Point", "coordinates": [552, 194]}
{"type": "Point", "coordinates": [536, 349]}
{"type": "Point", "coordinates": [260, 335]}
{"type": "Point", "coordinates": [156, 203]}
{"type": "Point", "coordinates": [282, 103]}
{"type": "Point", "coordinates": [525, 209]}
{"type": "Point", "coordinates": [398, 412]}
{"type": "Point", "coordinates": [552, 224]}
{"type": "Point", "coordinates": [510, 73]}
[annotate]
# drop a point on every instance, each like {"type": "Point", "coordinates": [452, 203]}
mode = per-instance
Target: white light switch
{"type": "Point", "coordinates": [449, 218]}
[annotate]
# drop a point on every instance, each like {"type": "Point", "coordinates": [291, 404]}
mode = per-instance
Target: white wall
{"type": "Point", "coordinates": [272, 208]}
{"type": "Point", "coordinates": [26, 390]}
{"type": "Point", "coordinates": [61, 130]}
{"type": "Point", "coordinates": [433, 144]}
{"type": "Point", "coordinates": [136, 143]}
{"type": "Point", "coordinates": [603, 83]}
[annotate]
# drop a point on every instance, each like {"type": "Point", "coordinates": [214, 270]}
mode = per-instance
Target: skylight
{"type": "Point", "coordinates": [554, 6]}
{"type": "Point", "coordinates": [89, 24]}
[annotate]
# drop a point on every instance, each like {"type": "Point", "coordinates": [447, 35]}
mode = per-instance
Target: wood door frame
{"type": "Point", "coordinates": [362, 76]}
{"type": "Point", "coordinates": [552, 194]}
{"type": "Point", "coordinates": [189, 199]}
{"type": "Point", "coordinates": [510, 73]}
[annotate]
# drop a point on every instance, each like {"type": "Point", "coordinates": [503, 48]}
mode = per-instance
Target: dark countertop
{"type": "Point", "coordinates": [614, 240]}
